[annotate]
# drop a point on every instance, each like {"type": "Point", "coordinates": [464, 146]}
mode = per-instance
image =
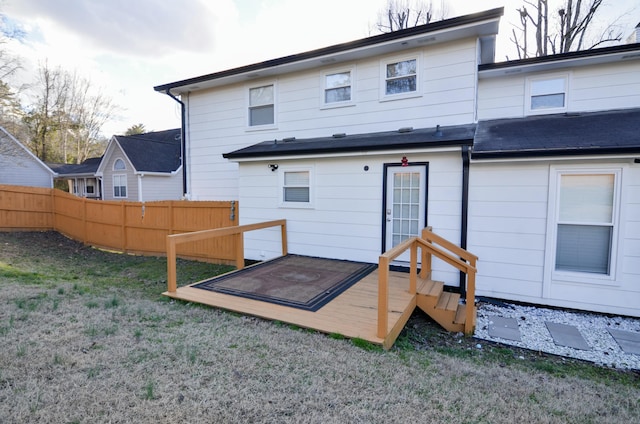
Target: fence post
{"type": "Point", "coordinates": [171, 217]}
{"type": "Point", "coordinates": [85, 239]}
{"type": "Point", "coordinates": [123, 217]}
{"type": "Point", "coordinates": [54, 215]}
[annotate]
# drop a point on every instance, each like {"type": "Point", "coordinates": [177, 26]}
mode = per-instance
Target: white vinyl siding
{"type": "Point", "coordinates": [217, 118]}
{"type": "Point", "coordinates": [512, 226]}
{"type": "Point", "coordinates": [345, 222]}
{"type": "Point", "coordinates": [159, 187]}
{"type": "Point", "coordinates": [591, 88]}
{"type": "Point", "coordinates": [19, 167]}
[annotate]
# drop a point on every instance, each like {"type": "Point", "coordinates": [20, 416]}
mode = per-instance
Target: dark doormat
{"type": "Point", "coordinates": [301, 282]}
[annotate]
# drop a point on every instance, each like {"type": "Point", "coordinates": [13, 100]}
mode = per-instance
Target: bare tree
{"type": "Point", "coordinates": [402, 14]}
{"type": "Point", "coordinates": [40, 119]}
{"type": "Point", "coordinates": [9, 63]}
{"type": "Point", "coordinates": [561, 29]}
{"type": "Point", "coordinates": [67, 116]}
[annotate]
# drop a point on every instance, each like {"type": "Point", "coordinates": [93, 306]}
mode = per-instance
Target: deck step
{"type": "Point", "coordinates": [448, 301]}
{"type": "Point", "coordinates": [431, 288]}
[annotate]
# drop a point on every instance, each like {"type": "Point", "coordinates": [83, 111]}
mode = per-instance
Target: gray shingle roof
{"type": "Point", "coordinates": [153, 151]}
{"type": "Point", "coordinates": [591, 133]}
{"type": "Point", "coordinates": [89, 166]}
{"type": "Point", "coordinates": [389, 140]}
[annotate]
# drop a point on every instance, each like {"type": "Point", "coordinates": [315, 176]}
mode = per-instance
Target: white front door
{"type": "Point", "coordinates": [405, 204]}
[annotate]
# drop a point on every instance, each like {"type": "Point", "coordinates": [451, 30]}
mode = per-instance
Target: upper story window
{"type": "Point", "coordinates": [547, 94]}
{"type": "Point", "coordinates": [262, 105]}
{"type": "Point", "coordinates": [337, 87]}
{"type": "Point", "coordinates": [119, 165]}
{"type": "Point", "coordinates": [401, 77]}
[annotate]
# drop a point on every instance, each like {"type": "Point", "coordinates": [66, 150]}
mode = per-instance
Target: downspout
{"type": "Point", "coordinates": [183, 141]}
{"type": "Point", "coordinates": [464, 222]}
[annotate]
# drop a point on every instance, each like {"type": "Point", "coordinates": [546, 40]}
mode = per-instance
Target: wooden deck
{"type": "Point", "coordinates": [353, 313]}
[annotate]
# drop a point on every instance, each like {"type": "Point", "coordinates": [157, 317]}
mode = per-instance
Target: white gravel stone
{"type": "Point", "coordinates": [535, 336]}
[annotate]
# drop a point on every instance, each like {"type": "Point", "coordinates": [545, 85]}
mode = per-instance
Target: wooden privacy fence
{"type": "Point", "coordinates": [132, 227]}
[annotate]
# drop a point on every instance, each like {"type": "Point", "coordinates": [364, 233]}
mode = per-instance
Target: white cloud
{"type": "Point", "coordinates": [140, 27]}
{"type": "Point", "coordinates": [129, 46]}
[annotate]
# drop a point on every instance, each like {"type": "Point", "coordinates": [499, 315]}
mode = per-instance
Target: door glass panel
{"type": "Point", "coordinates": [406, 205]}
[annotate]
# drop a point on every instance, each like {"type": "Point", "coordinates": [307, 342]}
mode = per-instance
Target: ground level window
{"type": "Point", "coordinates": [296, 187]}
{"type": "Point", "coordinates": [586, 222]}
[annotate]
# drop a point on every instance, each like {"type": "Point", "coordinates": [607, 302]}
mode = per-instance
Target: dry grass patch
{"type": "Point", "coordinates": [80, 347]}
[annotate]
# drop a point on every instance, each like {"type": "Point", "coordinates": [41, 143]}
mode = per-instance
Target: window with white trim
{"type": "Point", "coordinates": [547, 94]}
{"type": "Point", "coordinates": [400, 77]}
{"type": "Point", "coordinates": [119, 165]}
{"type": "Point", "coordinates": [337, 87]}
{"type": "Point", "coordinates": [586, 210]}
{"type": "Point", "coordinates": [262, 105]}
{"type": "Point", "coordinates": [120, 186]}
{"type": "Point", "coordinates": [296, 187]}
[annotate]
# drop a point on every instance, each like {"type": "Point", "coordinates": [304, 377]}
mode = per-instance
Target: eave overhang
{"type": "Point", "coordinates": [483, 25]}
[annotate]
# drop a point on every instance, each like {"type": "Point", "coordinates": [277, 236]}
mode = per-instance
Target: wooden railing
{"type": "Point", "coordinates": [238, 231]}
{"type": "Point", "coordinates": [448, 252]}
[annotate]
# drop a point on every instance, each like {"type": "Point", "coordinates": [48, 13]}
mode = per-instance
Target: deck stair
{"type": "Point", "coordinates": [443, 307]}
{"type": "Point", "coordinates": [446, 308]}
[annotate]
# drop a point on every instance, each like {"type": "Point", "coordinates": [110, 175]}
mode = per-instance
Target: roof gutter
{"type": "Point", "coordinates": [183, 139]}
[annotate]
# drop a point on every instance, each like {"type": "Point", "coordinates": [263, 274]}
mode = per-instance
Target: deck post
{"type": "Point", "coordinates": [471, 294]}
{"type": "Point", "coordinates": [240, 250]}
{"type": "Point", "coordinates": [283, 232]}
{"type": "Point", "coordinates": [413, 270]}
{"type": "Point", "coordinates": [383, 296]}
{"type": "Point", "coordinates": [425, 269]}
{"type": "Point", "coordinates": [171, 265]}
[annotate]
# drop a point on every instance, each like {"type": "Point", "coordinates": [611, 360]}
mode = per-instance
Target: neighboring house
{"type": "Point", "coordinates": [81, 178]}
{"type": "Point", "coordinates": [362, 144]}
{"type": "Point", "coordinates": [142, 167]}
{"type": "Point", "coordinates": [18, 166]}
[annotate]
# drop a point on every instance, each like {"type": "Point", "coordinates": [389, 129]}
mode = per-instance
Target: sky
{"type": "Point", "coordinates": [126, 47]}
